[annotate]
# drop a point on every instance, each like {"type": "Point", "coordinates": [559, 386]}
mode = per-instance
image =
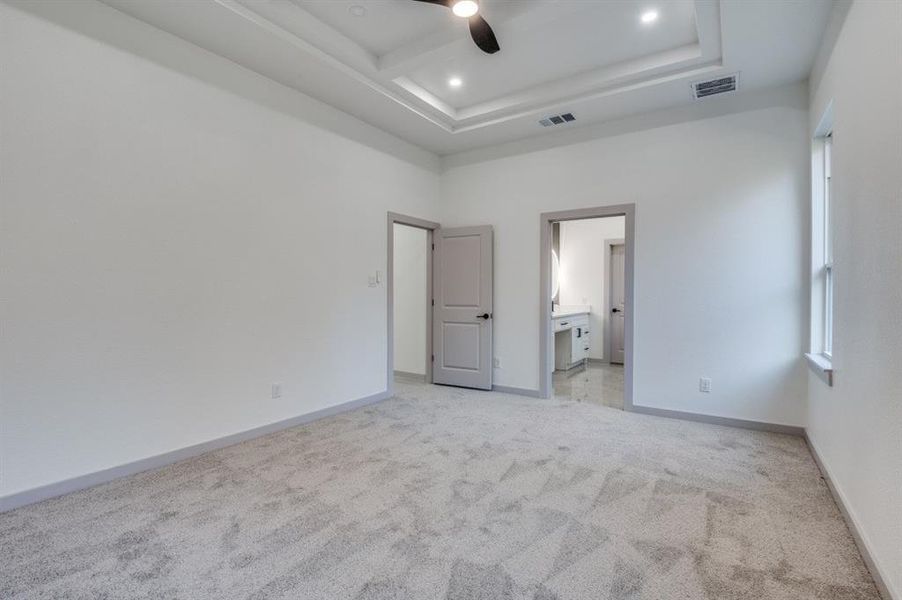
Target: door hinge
{"type": "Point", "coordinates": [433, 302]}
{"type": "Point", "coordinates": [433, 358]}
{"type": "Point", "coordinates": [433, 246]}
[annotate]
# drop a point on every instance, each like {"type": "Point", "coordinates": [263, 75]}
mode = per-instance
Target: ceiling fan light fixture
{"type": "Point", "coordinates": [465, 8]}
{"type": "Point", "coordinates": [480, 31]}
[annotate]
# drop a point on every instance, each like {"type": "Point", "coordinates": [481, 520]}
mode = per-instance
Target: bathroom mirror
{"type": "Point", "coordinates": [555, 274]}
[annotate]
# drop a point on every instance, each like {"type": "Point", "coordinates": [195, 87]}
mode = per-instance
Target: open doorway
{"type": "Point", "coordinates": [411, 295]}
{"type": "Point", "coordinates": [409, 283]}
{"type": "Point", "coordinates": [587, 310]}
{"type": "Point", "coordinates": [586, 319]}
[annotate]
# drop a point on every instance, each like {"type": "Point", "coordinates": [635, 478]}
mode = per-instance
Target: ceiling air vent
{"type": "Point", "coordinates": [721, 85]}
{"type": "Point", "coordinates": [557, 120]}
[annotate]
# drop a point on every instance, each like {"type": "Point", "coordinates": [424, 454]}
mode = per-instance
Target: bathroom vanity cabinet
{"type": "Point", "coordinates": [571, 337]}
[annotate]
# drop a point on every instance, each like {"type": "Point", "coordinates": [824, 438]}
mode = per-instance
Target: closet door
{"type": "Point", "coordinates": [462, 317]}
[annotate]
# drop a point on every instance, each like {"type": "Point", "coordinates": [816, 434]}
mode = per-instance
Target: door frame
{"type": "Point", "coordinates": [606, 339]}
{"type": "Point", "coordinates": [430, 227]}
{"type": "Point", "coordinates": [545, 364]}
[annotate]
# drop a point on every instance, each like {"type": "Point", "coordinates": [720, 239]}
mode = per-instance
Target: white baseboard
{"type": "Point", "coordinates": [81, 482]}
{"type": "Point", "coordinates": [504, 389]}
{"type": "Point", "coordinates": [715, 420]}
{"type": "Point", "coordinates": [870, 560]}
{"type": "Point", "coordinates": [418, 377]}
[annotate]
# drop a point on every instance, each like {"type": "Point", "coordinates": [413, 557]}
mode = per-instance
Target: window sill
{"type": "Point", "coordinates": [821, 366]}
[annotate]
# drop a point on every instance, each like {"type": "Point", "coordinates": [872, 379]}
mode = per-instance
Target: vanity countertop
{"type": "Point", "coordinates": [569, 311]}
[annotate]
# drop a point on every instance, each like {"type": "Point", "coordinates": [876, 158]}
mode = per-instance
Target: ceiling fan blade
{"type": "Point", "coordinates": [445, 3]}
{"type": "Point", "coordinates": [483, 35]}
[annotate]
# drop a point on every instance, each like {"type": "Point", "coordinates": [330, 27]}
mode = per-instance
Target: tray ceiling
{"type": "Point", "coordinates": [389, 62]}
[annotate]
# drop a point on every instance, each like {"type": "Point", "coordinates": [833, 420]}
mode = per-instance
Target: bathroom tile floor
{"type": "Point", "coordinates": [595, 383]}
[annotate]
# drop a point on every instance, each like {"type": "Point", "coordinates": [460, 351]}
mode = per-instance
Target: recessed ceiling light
{"type": "Point", "coordinates": [465, 8]}
{"type": "Point", "coordinates": [649, 17]}
{"type": "Point", "coordinates": [455, 82]}
{"type": "Point", "coordinates": [357, 10]}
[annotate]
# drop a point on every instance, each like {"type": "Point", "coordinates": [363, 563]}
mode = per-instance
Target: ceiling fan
{"type": "Point", "coordinates": [480, 31]}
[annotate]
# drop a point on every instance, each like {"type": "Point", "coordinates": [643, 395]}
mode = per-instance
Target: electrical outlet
{"type": "Point", "coordinates": [704, 385]}
{"type": "Point", "coordinates": [276, 390]}
{"type": "Point", "coordinates": [496, 362]}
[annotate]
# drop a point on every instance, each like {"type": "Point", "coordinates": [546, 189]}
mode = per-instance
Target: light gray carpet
{"type": "Point", "coordinates": [447, 493]}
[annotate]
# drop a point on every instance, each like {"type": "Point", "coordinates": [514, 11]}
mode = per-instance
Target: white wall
{"type": "Point", "coordinates": [720, 262]}
{"type": "Point", "coordinates": [584, 274]}
{"type": "Point", "coordinates": [856, 426]}
{"type": "Point", "coordinates": [410, 299]}
{"type": "Point", "coordinates": [170, 247]}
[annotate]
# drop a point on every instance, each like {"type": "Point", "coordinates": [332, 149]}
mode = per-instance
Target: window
{"type": "Point", "coordinates": [827, 260]}
{"type": "Point", "coordinates": [820, 356]}
{"type": "Point", "coordinates": [823, 273]}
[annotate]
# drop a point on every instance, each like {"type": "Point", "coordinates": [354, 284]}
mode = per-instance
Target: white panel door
{"type": "Point", "coordinates": [618, 321]}
{"type": "Point", "coordinates": [462, 315]}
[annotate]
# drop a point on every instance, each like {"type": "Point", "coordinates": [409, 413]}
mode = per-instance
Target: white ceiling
{"type": "Point", "coordinates": [593, 58]}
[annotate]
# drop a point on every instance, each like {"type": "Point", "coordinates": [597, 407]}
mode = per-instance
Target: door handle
{"type": "Point", "coordinates": [616, 310]}
{"type": "Point", "coordinates": [486, 316]}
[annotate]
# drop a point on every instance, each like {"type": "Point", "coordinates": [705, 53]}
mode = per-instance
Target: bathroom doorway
{"type": "Point", "coordinates": [586, 318]}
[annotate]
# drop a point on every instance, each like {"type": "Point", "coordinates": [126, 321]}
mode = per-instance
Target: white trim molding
{"type": "Point", "coordinates": [716, 420]}
{"type": "Point", "coordinates": [505, 389]}
{"type": "Point", "coordinates": [821, 366]}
